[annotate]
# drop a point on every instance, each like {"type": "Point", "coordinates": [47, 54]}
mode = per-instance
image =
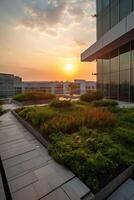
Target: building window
{"type": "Point", "coordinates": [125, 72]}
{"type": "Point", "coordinates": [114, 85]}
{"type": "Point", "coordinates": [106, 16]}
{"type": "Point", "coordinates": [132, 4]}
{"type": "Point", "coordinates": [99, 74]}
{"type": "Point", "coordinates": [106, 85]}
{"type": "Point", "coordinates": [99, 19]}
{"type": "Point", "coordinates": [114, 60]}
{"type": "Point", "coordinates": [132, 54]}
{"type": "Point", "coordinates": [132, 72]}
{"type": "Point", "coordinates": [125, 57]}
{"type": "Point", "coordinates": [106, 64]}
{"type": "Point", "coordinates": [124, 8]}
{"type": "Point", "coordinates": [124, 85]}
{"type": "Point", "coordinates": [132, 86]}
{"type": "Point", "coordinates": [114, 11]}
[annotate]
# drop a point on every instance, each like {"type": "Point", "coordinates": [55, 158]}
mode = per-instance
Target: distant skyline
{"type": "Point", "coordinates": [43, 39]}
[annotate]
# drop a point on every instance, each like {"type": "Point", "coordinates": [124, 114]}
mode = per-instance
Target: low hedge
{"type": "Point", "coordinates": [33, 96]}
{"type": "Point", "coordinates": [91, 96]}
{"type": "Point", "coordinates": [105, 103]}
{"type": "Point", "coordinates": [61, 104]}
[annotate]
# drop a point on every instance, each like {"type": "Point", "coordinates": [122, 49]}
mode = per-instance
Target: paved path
{"type": "Point", "coordinates": [32, 174]}
{"type": "Point", "coordinates": [125, 104]}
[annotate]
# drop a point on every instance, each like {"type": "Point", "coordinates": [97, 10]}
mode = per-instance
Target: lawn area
{"type": "Point", "coordinates": [94, 140]}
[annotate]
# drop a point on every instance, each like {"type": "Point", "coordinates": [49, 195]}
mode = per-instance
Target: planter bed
{"type": "Point", "coordinates": [95, 154]}
{"type": "Point", "coordinates": [26, 103]}
{"type": "Point", "coordinates": [33, 98]}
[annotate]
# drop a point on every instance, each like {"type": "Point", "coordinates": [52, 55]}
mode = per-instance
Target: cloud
{"type": "Point", "coordinates": [52, 15]}
{"type": "Point", "coordinates": [79, 43]}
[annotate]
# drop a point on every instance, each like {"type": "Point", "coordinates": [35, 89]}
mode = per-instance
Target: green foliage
{"type": "Point", "coordinates": [125, 136]}
{"type": "Point", "coordinates": [105, 103]}
{"type": "Point", "coordinates": [127, 115]}
{"type": "Point", "coordinates": [94, 158]}
{"type": "Point", "coordinates": [61, 104]}
{"type": "Point", "coordinates": [91, 118]}
{"type": "Point", "coordinates": [93, 142]}
{"type": "Point", "coordinates": [26, 112]}
{"type": "Point", "coordinates": [91, 95]}
{"type": "Point", "coordinates": [85, 132]}
{"type": "Point", "coordinates": [33, 96]}
{"type": "Point", "coordinates": [36, 115]}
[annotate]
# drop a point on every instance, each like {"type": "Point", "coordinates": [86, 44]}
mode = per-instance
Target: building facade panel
{"type": "Point", "coordinates": [115, 74]}
{"type": "Point", "coordinates": [110, 13]}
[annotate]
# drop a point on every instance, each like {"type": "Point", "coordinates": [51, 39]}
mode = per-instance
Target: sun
{"type": "Point", "coordinates": [69, 68]}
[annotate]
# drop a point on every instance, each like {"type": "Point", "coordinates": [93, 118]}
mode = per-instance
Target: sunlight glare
{"type": "Point", "coordinates": [69, 68]}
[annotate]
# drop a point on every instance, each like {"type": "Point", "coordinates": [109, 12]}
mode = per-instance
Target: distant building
{"type": "Point", "coordinates": [83, 86]}
{"type": "Point", "coordinates": [45, 86]}
{"type": "Point", "coordinates": [10, 85]}
{"type": "Point", "coordinates": [59, 87]}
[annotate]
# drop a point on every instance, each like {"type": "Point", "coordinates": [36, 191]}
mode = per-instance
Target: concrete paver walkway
{"type": "Point", "coordinates": [32, 174]}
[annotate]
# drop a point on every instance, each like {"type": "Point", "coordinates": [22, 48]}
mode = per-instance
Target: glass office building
{"type": "Point", "coordinates": [114, 49]}
{"type": "Point", "coordinates": [10, 85]}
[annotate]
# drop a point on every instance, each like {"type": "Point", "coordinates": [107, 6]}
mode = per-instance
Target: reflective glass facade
{"type": "Point", "coordinates": [116, 73]}
{"type": "Point", "coordinates": [110, 12]}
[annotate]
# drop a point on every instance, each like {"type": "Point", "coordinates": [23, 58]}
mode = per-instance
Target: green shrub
{"type": "Point", "coordinates": [61, 104]}
{"type": "Point", "coordinates": [33, 96]}
{"type": "Point", "coordinates": [41, 116]}
{"type": "Point", "coordinates": [85, 132]}
{"type": "Point", "coordinates": [125, 136]}
{"type": "Point", "coordinates": [105, 103]}
{"type": "Point", "coordinates": [36, 115]}
{"type": "Point", "coordinates": [127, 115]}
{"type": "Point", "coordinates": [27, 113]}
{"type": "Point", "coordinates": [91, 96]}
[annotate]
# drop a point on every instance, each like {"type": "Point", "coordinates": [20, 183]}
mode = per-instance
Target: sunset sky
{"type": "Point", "coordinates": [43, 39]}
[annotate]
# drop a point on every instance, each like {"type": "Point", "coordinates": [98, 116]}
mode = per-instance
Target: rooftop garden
{"type": "Point", "coordinates": [94, 139]}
